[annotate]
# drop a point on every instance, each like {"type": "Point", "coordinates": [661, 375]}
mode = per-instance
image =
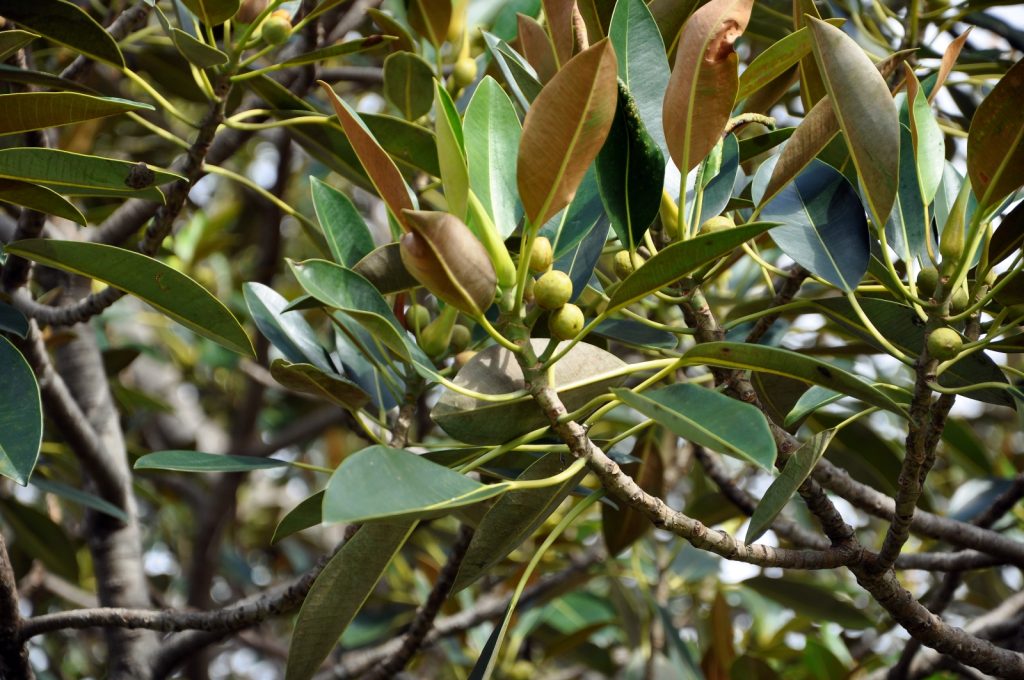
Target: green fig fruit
{"type": "Point", "coordinates": [553, 290]}
{"type": "Point", "coordinates": [541, 255]}
{"type": "Point", "coordinates": [566, 322]}
{"type": "Point", "coordinates": [944, 343]}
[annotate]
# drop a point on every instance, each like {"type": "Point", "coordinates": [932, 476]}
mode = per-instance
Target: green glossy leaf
{"type": "Point", "coordinates": [339, 592]}
{"type": "Point", "coordinates": [348, 236]}
{"type": "Point", "coordinates": [630, 172]}
{"type": "Point", "coordinates": [24, 111]}
{"type": "Point", "coordinates": [79, 174]}
{"type": "Point", "coordinates": [46, 201]}
{"type": "Point", "coordinates": [776, 60]}
{"type": "Point", "coordinates": [823, 227]}
{"type": "Point", "coordinates": [287, 331]}
{"type": "Point", "coordinates": [995, 145]}
{"type": "Point", "coordinates": [150, 280]}
{"type": "Point", "coordinates": [788, 363]}
{"type": "Point", "coordinates": [702, 89]}
{"type": "Point", "coordinates": [380, 482]}
{"type": "Point", "coordinates": [579, 263]}
{"type": "Point", "coordinates": [682, 258]}
{"type": "Point", "coordinates": [430, 18]}
{"type": "Point", "coordinates": [578, 377]}
{"type": "Point", "coordinates": [21, 418]}
{"type": "Point", "coordinates": [816, 602]}
{"type": "Point", "coordinates": [80, 497]}
{"type": "Point", "coordinates": [41, 538]}
{"type": "Point", "coordinates": [865, 112]}
{"type": "Point", "coordinates": [518, 74]}
{"type": "Point", "coordinates": [752, 147]}
{"type": "Point", "coordinates": [719, 186]}
{"type": "Point", "coordinates": [564, 130]}
{"type": "Point", "coordinates": [929, 144]}
{"type": "Point", "coordinates": [708, 418]}
{"type": "Point", "coordinates": [451, 152]}
{"type": "Point", "coordinates": [796, 470]}
{"type": "Point", "coordinates": [635, 334]}
{"type": "Point", "coordinates": [12, 320]}
{"type": "Point", "coordinates": [309, 379]}
{"type": "Point", "coordinates": [383, 267]}
{"type": "Point", "coordinates": [408, 84]}
{"type": "Point", "coordinates": [583, 216]}
{"type": "Point", "coordinates": [411, 146]}
{"type": "Point", "coordinates": [12, 40]}
{"type": "Point", "coordinates": [810, 401]}
{"type": "Point", "coordinates": [366, 44]}
{"type": "Point", "coordinates": [213, 12]}
{"type": "Point", "coordinates": [65, 23]}
{"type": "Point", "coordinates": [197, 461]}
{"type": "Point", "coordinates": [621, 527]}
{"type": "Point", "coordinates": [514, 518]}
{"type": "Point", "coordinates": [492, 131]}
{"type": "Point", "coordinates": [642, 64]}
{"type": "Point", "coordinates": [308, 513]}
{"type": "Point", "coordinates": [349, 292]}
{"type": "Point", "coordinates": [392, 27]}
{"type": "Point", "coordinates": [904, 331]}
{"type": "Point", "coordinates": [905, 228]}
{"type": "Point", "coordinates": [195, 51]}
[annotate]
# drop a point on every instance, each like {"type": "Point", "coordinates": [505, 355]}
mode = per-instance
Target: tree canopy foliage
{"type": "Point", "coordinates": [538, 338]}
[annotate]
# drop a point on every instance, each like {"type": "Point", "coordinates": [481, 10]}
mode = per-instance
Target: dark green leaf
{"type": "Point", "coordinates": [514, 518]}
{"type": "Point", "coordinates": [349, 47]}
{"type": "Point", "coordinates": [708, 418]}
{"type": "Point", "coordinates": [518, 74]}
{"type": "Point", "coordinates": [408, 84]}
{"type": "Point", "coordinates": [46, 201]}
{"type": "Point", "coordinates": [80, 497]}
{"type": "Point", "coordinates": [24, 111]}
{"type": "Point", "coordinates": [905, 331]}
{"type": "Point", "coordinates": [379, 482]}
{"type": "Point", "coordinates": [195, 51]}
{"type": "Point", "coordinates": [197, 461]}
{"type": "Point", "coordinates": [752, 147]}
{"type": "Point", "coordinates": [79, 174]}
{"type": "Point", "coordinates": [630, 172]}
{"type": "Point", "coordinates": [793, 364]}
{"type": "Point", "coordinates": [642, 63]}
{"type": "Point", "coordinates": [12, 40]}
{"type": "Point", "coordinates": [21, 418]}
{"type": "Point", "coordinates": [63, 22]}
{"type": "Point", "coordinates": [339, 592]}
{"type": "Point", "coordinates": [167, 289]}
{"type": "Point", "coordinates": [213, 12]}
{"type": "Point", "coordinates": [797, 468]}
{"type": "Point", "coordinates": [41, 538]}
{"type": "Point", "coordinates": [12, 321]}
{"type": "Point", "coordinates": [309, 379]}
{"type": "Point", "coordinates": [347, 234]}
{"type": "Point", "coordinates": [636, 334]}
{"type": "Point", "coordinates": [306, 514]}
{"type": "Point", "coordinates": [287, 331]}
{"type": "Point", "coordinates": [682, 258]}
{"type": "Point", "coordinates": [823, 227]}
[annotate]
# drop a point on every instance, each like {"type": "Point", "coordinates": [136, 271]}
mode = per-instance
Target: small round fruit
{"type": "Point", "coordinates": [417, 317]}
{"type": "Point", "coordinates": [541, 255]}
{"type": "Point", "coordinates": [719, 223]}
{"type": "Point", "coordinates": [927, 282]}
{"type": "Point", "coordinates": [277, 28]}
{"type": "Point", "coordinates": [553, 289]}
{"type": "Point", "coordinates": [460, 338]}
{"type": "Point", "coordinates": [566, 322]}
{"type": "Point", "coordinates": [464, 72]}
{"type": "Point", "coordinates": [959, 301]}
{"type": "Point", "coordinates": [462, 358]}
{"type": "Point", "coordinates": [624, 263]}
{"type": "Point", "coordinates": [944, 343]}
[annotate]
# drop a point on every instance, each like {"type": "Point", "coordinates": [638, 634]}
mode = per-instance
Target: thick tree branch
{"type": "Point", "coordinates": [14, 663]}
